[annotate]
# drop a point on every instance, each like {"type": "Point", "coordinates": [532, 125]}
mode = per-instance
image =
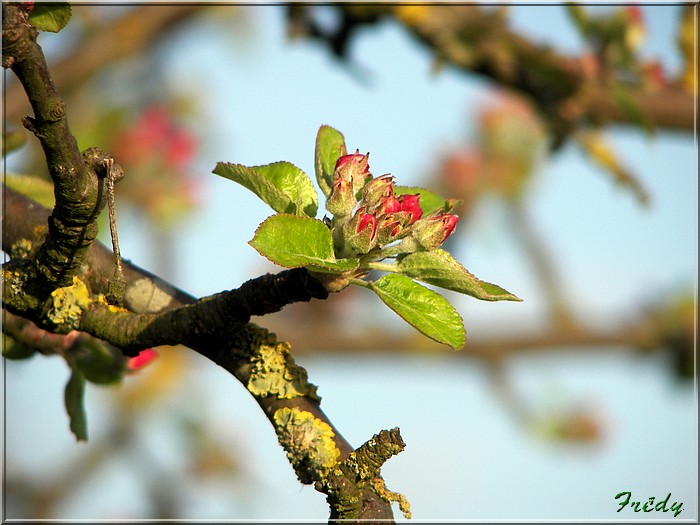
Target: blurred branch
{"type": "Point", "coordinates": [478, 40]}
{"type": "Point", "coordinates": [120, 38]}
{"type": "Point", "coordinates": [542, 265]}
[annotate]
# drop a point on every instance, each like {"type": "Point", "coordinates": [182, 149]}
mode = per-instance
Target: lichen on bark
{"type": "Point", "coordinates": [274, 372]}
{"type": "Point", "coordinates": [308, 442]}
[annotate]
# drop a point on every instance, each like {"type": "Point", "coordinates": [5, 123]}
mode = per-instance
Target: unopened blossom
{"type": "Point", "coordinates": [433, 230]}
{"type": "Point", "coordinates": [341, 200]}
{"type": "Point", "coordinates": [353, 168]}
{"type": "Point", "coordinates": [360, 232]}
{"type": "Point", "coordinates": [376, 190]}
{"type": "Point", "coordinates": [411, 204]}
{"type": "Point", "coordinates": [388, 229]}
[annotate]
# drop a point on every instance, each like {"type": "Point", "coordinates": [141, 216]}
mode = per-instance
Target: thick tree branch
{"type": "Point", "coordinates": [37, 284]}
{"type": "Point", "coordinates": [78, 189]}
{"type": "Point", "coordinates": [242, 351]}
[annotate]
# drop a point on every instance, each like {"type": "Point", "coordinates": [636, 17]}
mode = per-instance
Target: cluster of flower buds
{"type": "Point", "coordinates": [367, 213]}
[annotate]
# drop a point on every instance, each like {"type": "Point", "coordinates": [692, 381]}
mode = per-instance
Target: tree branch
{"type": "Point", "coordinates": [37, 284]}
{"type": "Point", "coordinates": [250, 353]}
{"type": "Point", "coordinates": [478, 40]}
{"type": "Point", "coordinates": [79, 192]}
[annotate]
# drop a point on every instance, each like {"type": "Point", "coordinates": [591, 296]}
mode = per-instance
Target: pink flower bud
{"type": "Point", "coordinates": [388, 204]}
{"type": "Point", "coordinates": [367, 220]}
{"type": "Point", "coordinates": [376, 190]}
{"type": "Point", "coordinates": [360, 232]}
{"type": "Point", "coordinates": [388, 229]}
{"type": "Point", "coordinates": [145, 357]}
{"type": "Point", "coordinates": [433, 230]}
{"type": "Point", "coordinates": [449, 222]}
{"type": "Point", "coordinates": [410, 204]}
{"type": "Point", "coordinates": [353, 168]}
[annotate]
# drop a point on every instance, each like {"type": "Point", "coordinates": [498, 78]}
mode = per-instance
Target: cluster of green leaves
{"type": "Point", "coordinates": [294, 237]}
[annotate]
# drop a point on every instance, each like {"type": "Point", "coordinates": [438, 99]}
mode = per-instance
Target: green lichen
{"type": "Point", "coordinates": [308, 442]}
{"type": "Point", "coordinates": [21, 249]}
{"type": "Point", "coordinates": [68, 303]}
{"type": "Point", "coordinates": [274, 372]}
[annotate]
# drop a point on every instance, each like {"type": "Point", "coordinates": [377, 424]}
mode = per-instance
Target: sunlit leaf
{"type": "Point", "coordinates": [292, 241]}
{"type": "Point", "coordinates": [439, 268]}
{"type": "Point", "coordinates": [330, 144]}
{"type": "Point", "coordinates": [422, 308]}
{"type": "Point", "coordinates": [294, 183]}
{"type": "Point", "coordinates": [257, 183]}
{"type": "Point", "coordinates": [51, 17]}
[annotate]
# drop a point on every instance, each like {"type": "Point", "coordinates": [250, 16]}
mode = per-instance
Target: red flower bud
{"type": "Point", "coordinates": [145, 357]}
{"type": "Point", "coordinates": [433, 230]}
{"type": "Point", "coordinates": [376, 190]}
{"type": "Point", "coordinates": [353, 168]}
{"type": "Point", "coordinates": [367, 220]}
{"type": "Point", "coordinates": [410, 204]}
{"type": "Point", "coordinates": [360, 232]}
{"type": "Point", "coordinates": [388, 229]}
{"type": "Point", "coordinates": [389, 204]}
{"type": "Point", "coordinates": [449, 222]}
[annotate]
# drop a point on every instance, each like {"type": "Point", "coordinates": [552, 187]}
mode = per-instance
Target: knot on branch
{"type": "Point", "coordinates": [15, 28]}
{"type": "Point", "coordinates": [353, 482]}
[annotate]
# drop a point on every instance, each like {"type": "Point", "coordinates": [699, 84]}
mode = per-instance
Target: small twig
{"type": "Point", "coordinates": [117, 286]}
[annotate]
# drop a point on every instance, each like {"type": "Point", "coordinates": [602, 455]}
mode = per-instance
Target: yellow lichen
{"type": "Point", "coordinates": [274, 372]}
{"type": "Point", "coordinates": [308, 442]}
{"type": "Point", "coordinates": [21, 249]}
{"type": "Point", "coordinates": [388, 495]}
{"type": "Point", "coordinates": [69, 303]}
{"type": "Point", "coordinates": [112, 308]}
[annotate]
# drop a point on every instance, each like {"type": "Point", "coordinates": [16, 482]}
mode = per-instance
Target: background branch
{"type": "Point", "coordinates": [137, 29]}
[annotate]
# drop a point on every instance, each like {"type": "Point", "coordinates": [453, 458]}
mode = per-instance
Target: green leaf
{"type": "Point", "coordinates": [330, 144]}
{"type": "Point", "coordinates": [99, 362]}
{"type": "Point", "coordinates": [12, 349]}
{"type": "Point", "coordinates": [13, 140]}
{"type": "Point", "coordinates": [257, 183]}
{"type": "Point", "coordinates": [50, 17]}
{"type": "Point", "coordinates": [36, 188]}
{"type": "Point", "coordinates": [425, 310]}
{"type": "Point", "coordinates": [294, 183]}
{"type": "Point", "coordinates": [73, 397]}
{"type": "Point", "coordinates": [439, 268]}
{"type": "Point", "coordinates": [429, 201]}
{"type": "Point", "coordinates": [293, 241]}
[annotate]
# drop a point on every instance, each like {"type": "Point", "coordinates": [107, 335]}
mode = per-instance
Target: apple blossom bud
{"type": "Point", "coordinates": [388, 204]}
{"type": "Point", "coordinates": [353, 168]}
{"type": "Point", "coordinates": [342, 199]}
{"type": "Point", "coordinates": [361, 231]}
{"type": "Point", "coordinates": [433, 230]}
{"type": "Point", "coordinates": [411, 204]}
{"type": "Point", "coordinates": [388, 229]}
{"type": "Point", "coordinates": [376, 190]}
